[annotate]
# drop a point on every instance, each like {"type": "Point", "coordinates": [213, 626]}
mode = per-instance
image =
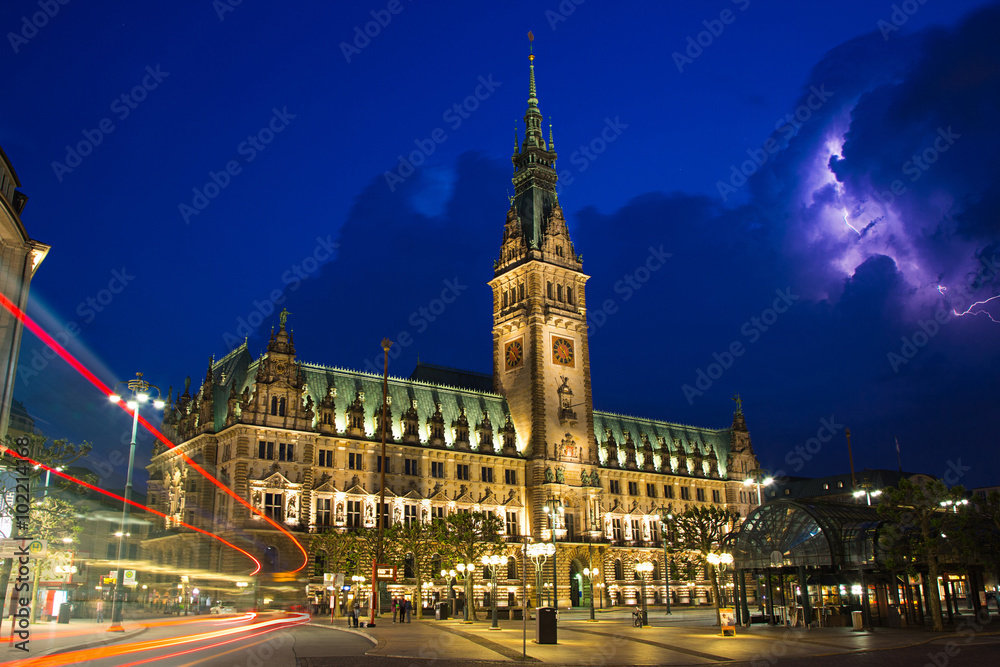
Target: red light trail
{"type": "Point", "coordinates": [134, 504]}
{"type": "Point", "coordinates": [94, 380]}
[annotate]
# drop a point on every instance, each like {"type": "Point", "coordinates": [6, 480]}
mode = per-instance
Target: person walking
{"type": "Point", "coordinates": [392, 609]}
{"type": "Point", "coordinates": [357, 612]}
{"type": "Point", "coordinates": [409, 608]}
{"type": "Point", "coordinates": [100, 610]}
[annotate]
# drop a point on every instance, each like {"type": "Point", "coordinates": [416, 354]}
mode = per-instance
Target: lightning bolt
{"type": "Point", "coordinates": [968, 311]}
{"type": "Point", "coordinates": [850, 225]}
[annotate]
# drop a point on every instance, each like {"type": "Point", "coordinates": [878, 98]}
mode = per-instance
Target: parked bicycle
{"type": "Point", "coordinates": [637, 617]}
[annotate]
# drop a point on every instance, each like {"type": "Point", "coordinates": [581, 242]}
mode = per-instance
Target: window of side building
{"type": "Point", "coordinates": [462, 471]}
{"type": "Point", "coordinates": [633, 488]}
{"type": "Point", "coordinates": [650, 490]}
{"type": "Point", "coordinates": [716, 496]}
{"type": "Point", "coordinates": [410, 467]}
{"type": "Point", "coordinates": [513, 528]}
{"type": "Point", "coordinates": [614, 486]}
{"type": "Point", "coordinates": [685, 493]}
{"type": "Point", "coordinates": [486, 474]}
{"type": "Point", "coordinates": [324, 515]}
{"type": "Point", "coordinates": [437, 469]}
{"type": "Point", "coordinates": [273, 506]}
{"type": "Point", "coordinates": [353, 513]}
{"type": "Point", "coordinates": [668, 491]}
{"type": "Point", "coordinates": [286, 452]}
{"type": "Point", "coordinates": [326, 458]}
{"type": "Point", "coordinates": [355, 461]}
{"type": "Point", "coordinates": [265, 450]}
{"type": "Point", "coordinates": [510, 477]}
{"type": "Point", "coordinates": [700, 494]}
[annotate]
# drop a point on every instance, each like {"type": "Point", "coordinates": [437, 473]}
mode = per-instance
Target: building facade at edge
{"type": "Point", "coordinates": [20, 256]}
{"type": "Point", "coordinates": [300, 441]}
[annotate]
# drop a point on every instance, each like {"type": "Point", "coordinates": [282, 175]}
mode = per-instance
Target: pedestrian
{"type": "Point", "coordinates": [100, 610]}
{"type": "Point", "coordinates": [402, 609]}
{"type": "Point", "coordinates": [409, 608]}
{"type": "Point", "coordinates": [357, 612]}
{"type": "Point", "coordinates": [392, 609]}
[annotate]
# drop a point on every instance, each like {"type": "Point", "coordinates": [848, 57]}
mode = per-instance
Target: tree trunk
{"type": "Point", "coordinates": [419, 603]}
{"type": "Point", "coordinates": [932, 572]}
{"type": "Point", "coordinates": [715, 594]}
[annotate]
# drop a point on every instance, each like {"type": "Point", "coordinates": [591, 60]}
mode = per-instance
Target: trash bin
{"type": "Point", "coordinates": [65, 610]}
{"type": "Point", "coordinates": [441, 611]}
{"type": "Point", "coordinates": [545, 625]}
{"type": "Point", "coordinates": [857, 618]}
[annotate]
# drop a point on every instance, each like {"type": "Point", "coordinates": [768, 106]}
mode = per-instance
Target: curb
{"type": "Point", "coordinates": [376, 644]}
{"type": "Point", "coordinates": [91, 644]}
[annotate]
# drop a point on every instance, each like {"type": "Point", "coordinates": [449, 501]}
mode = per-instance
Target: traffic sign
{"type": "Point", "coordinates": [129, 579]}
{"type": "Point", "coordinates": [10, 548]}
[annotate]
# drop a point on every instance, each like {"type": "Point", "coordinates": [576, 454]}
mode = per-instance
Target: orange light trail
{"type": "Point", "coordinates": [94, 380]}
{"type": "Point", "coordinates": [134, 504]}
{"type": "Point", "coordinates": [84, 655]}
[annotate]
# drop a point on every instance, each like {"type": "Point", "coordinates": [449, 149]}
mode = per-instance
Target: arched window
{"type": "Point", "coordinates": [511, 568]}
{"type": "Point", "coordinates": [548, 288]}
{"type": "Point", "coordinates": [619, 575]}
{"type": "Point", "coordinates": [505, 299]}
{"type": "Point", "coordinates": [281, 407]}
{"type": "Point", "coordinates": [569, 295]}
{"type": "Point", "coordinates": [274, 405]}
{"type": "Point", "coordinates": [520, 291]}
{"type": "Point", "coordinates": [559, 292]}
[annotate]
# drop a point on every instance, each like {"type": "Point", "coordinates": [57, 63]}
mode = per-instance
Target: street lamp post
{"type": "Point", "coordinates": [449, 576]}
{"type": "Point", "coordinates": [139, 390]}
{"type": "Point", "coordinates": [590, 574]}
{"type": "Point", "coordinates": [865, 490]}
{"type": "Point", "coordinates": [490, 563]}
{"type": "Point", "coordinates": [466, 570]}
{"type": "Point", "coordinates": [721, 561]}
{"type": "Point", "coordinates": [554, 506]}
{"type": "Point", "coordinates": [665, 529]}
{"type": "Point", "coordinates": [644, 569]}
{"type": "Point", "coordinates": [539, 552]}
{"type": "Point", "coordinates": [759, 477]}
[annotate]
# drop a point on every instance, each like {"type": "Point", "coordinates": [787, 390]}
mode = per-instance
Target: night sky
{"type": "Point", "coordinates": [814, 183]}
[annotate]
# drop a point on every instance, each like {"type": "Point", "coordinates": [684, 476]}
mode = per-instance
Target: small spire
{"type": "Point", "coordinates": [552, 144]}
{"type": "Point", "coordinates": [516, 151]}
{"type": "Point", "coordinates": [532, 95]}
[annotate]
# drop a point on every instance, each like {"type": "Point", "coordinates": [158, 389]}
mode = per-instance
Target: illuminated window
{"type": "Point", "coordinates": [273, 506]}
{"type": "Point", "coordinates": [324, 515]}
{"type": "Point", "coordinates": [353, 513]}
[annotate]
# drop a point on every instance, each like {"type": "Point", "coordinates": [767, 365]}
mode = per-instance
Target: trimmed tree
{"type": "Point", "coordinates": [338, 549]}
{"type": "Point", "coordinates": [915, 519]}
{"type": "Point", "coordinates": [468, 536]}
{"type": "Point", "coordinates": [700, 529]}
{"type": "Point", "coordinates": [419, 541]}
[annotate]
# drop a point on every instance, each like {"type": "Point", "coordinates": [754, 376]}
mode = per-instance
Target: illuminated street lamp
{"type": "Point", "coordinates": [591, 574]}
{"type": "Point", "coordinates": [553, 508]}
{"type": "Point", "coordinates": [720, 561]}
{"type": "Point", "coordinates": [539, 552]}
{"type": "Point", "coordinates": [867, 492]}
{"type": "Point", "coordinates": [139, 390]}
{"type": "Point", "coordinates": [644, 569]}
{"type": "Point", "coordinates": [467, 570]}
{"type": "Point", "coordinates": [491, 563]}
{"type": "Point", "coordinates": [759, 477]}
{"type": "Point", "coordinates": [665, 529]}
{"type": "Point", "coordinates": [449, 575]}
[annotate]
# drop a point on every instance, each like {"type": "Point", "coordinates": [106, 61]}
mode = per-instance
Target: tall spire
{"type": "Point", "coordinates": [534, 167]}
{"type": "Point", "coordinates": [532, 95]}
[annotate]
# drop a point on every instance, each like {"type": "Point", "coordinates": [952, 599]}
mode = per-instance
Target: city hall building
{"type": "Point", "coordinates": [301, 441]}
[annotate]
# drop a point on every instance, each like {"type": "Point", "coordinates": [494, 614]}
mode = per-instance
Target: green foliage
{"type": "Point", "coordinates": [700, 529]}
{"type": "Point", "coordinates": [915, 531]}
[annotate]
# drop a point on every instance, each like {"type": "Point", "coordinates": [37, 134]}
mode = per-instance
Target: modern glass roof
{"type": "Point", "coordinates": [789, 533]}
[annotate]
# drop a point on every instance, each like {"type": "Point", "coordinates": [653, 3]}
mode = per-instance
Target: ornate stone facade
{"type": "Point", "coordinates": [301, 441]}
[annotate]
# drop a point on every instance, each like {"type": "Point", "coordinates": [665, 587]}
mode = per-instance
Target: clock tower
{"type": "Point", "coordinates": [541, 361]}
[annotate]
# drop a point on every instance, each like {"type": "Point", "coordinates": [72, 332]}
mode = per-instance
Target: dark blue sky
{"type": "Point", "coordinates": [869, 136]}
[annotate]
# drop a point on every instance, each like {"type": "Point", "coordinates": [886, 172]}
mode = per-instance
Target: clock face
{"type": "Point", "coordinates": [562, 351]}
{"type": "Point", "coordinates": [514, 353]}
